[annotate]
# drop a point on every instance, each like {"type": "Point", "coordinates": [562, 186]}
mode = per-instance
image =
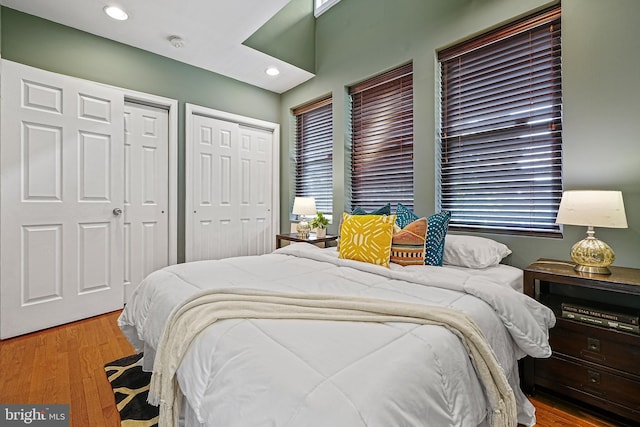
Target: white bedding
{"type": "Point", "coordinates": [258, 372]}
{"type": "Point", "coordinates": [501, 274]}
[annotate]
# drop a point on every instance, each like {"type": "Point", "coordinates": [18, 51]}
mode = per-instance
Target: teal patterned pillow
{"type": "Point", "coordinates": [438, 226]}
{"type": "Point", "coordinates": [405, 216]}
{"type": "Point", "coordinates": [385, 210]}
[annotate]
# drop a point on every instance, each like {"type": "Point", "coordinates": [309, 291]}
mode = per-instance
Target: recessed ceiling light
{"type": "Point", "coordinates": [272, 71]}
{"type": "Point", "coordinates": [116, 13]}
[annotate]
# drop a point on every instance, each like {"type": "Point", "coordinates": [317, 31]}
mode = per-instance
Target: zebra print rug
{"type": "Point", "coordinates": [131, 386]}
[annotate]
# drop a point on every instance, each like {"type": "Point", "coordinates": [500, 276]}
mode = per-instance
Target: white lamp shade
{"type": "Point", "coordinates": [304, 206]}
{"type": "Point", "coordinates": [592, 208]}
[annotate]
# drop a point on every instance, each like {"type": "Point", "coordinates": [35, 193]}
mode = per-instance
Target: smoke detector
{"type": "Point", "coordinates": [176, 42]}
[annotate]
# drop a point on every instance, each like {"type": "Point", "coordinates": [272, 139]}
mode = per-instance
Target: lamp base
{"type": "Point", "coordinates": [592, 255]}
{"type": "Point", "coordinates": [303, 229]}
{"type": "Point", "coordinates": [591, 270]}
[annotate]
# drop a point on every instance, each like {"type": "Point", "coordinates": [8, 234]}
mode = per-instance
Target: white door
{"type": "Point", "coordinates": [230, 189]}
{"type": "Point", "coordinates": [255, 194]}
{"type": "Point", "coordinates": [146, 192]}
{"type": "Point", "coordinates": [62, 169]}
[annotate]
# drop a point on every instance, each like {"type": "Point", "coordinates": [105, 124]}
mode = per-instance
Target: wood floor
{"type": "Point", "coordinates": [65, 365]}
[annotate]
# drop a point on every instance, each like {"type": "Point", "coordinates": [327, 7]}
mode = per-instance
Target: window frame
{"type": "Point", "coordinates": [455, 192]}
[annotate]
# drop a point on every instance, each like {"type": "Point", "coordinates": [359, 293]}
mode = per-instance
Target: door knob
{"type": "Point", "coordinates": [117, 211]}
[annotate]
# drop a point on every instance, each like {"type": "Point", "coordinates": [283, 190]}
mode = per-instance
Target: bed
{"type": "Point", "coordinates": [301, 372]}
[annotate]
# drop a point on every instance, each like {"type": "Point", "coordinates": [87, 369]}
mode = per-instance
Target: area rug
{"type": "Point", "coordinates": [131, 387]}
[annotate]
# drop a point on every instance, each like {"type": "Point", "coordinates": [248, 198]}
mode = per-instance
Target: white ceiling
{"type": "Point", "coordinates": [212, 30]}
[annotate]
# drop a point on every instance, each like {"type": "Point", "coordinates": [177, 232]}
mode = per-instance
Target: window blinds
{"type": "Point", "coordinates": [382, 140]}
{"type": "Point", "coordinates": [314, 153]}
{"type": "Point", "coordinates": [501, 128]}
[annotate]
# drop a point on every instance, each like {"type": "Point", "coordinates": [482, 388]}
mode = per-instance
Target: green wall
{"type": "Point", "coordinates": [289, 35]}
{"type": "Point", "coordinates": [357, 39]}
{"type": "Point", "coordinates": [54, 47]}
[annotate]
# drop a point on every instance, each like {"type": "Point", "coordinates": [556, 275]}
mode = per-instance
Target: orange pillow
{"type": "Point", "coordinates": [408, 246]}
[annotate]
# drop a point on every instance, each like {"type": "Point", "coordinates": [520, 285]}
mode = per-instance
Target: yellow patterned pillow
{"type": "Point", "coordinates": [367, 238]}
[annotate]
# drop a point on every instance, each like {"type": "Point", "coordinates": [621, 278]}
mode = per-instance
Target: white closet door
{"type": "Point", "coordinates": [230, 190]}
{"type": "Point", "coordinates": [255, 193]}
{"type": "Point", "coordinates": [61, 160]}
{"type": "Point", "coordinates": [146, 193]}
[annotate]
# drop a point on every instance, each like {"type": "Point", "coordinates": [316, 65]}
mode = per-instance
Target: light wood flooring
{"type": "Point", "coordinates": [65, 365]}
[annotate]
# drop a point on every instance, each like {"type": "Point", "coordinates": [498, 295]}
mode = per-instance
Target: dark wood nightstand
{"type": "Point", "coordinates": [293, 237]}
{"type": "Point", "coordinates": [595, 365]}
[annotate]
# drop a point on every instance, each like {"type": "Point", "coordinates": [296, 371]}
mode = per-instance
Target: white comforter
{"type": "Point", "coordinates": [258, 372]}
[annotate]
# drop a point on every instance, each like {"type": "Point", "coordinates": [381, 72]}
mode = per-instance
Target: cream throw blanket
{"type": "Point", "coordinates": [204, 309]}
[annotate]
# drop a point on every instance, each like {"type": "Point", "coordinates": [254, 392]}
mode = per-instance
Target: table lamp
{"type": "Point", "coordinates": [303, 206]}
{"type": "Point", "coordinates": [592, 209]}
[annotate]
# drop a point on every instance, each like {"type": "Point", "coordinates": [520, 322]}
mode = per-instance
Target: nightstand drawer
{"type": "Point", "coordinates": [610, 348]}
{"type": "Point", "coordinates": [617, 394]}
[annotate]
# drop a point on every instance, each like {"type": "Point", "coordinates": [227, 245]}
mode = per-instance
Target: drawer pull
{"type": "Point", "coordinates": [593, 344]}
{"type": "Point", "coordinates": [594, 377]}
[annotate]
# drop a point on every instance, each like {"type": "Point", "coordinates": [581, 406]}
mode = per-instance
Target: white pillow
{"type": "Point", "coordinates": [473, 251]}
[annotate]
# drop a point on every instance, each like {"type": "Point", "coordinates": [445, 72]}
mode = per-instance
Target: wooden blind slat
{"type": "Point", "coordinates": [395, 74]}
{"type": "Point", "coordinates": [550, 16]}
{"type": "Point", "coordinates": [312, 106]}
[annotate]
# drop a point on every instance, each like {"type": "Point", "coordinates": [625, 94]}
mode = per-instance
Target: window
{"type": "Point", "coordinates": [501, 129]}
{"type": "Point", "coordinates": [382, 140]}
{"type": "Point", "coordinates": [314, 154]}
{"type": "Point", "coordinates": [321, 6]}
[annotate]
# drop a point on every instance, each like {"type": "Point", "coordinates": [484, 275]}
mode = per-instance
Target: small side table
{"type": "Point", "coordinates": [313, 239]}
{"type": "Point", "coordinates": [594, 363]}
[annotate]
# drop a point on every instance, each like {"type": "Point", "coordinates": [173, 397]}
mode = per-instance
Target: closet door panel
{"type": "Point", "coordinates": [230, 189]}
